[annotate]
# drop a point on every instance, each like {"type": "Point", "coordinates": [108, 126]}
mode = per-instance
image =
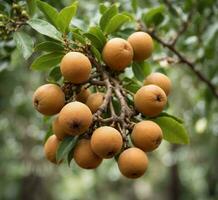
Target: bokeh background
{"type": "Point", "coordinates": [176, 172]}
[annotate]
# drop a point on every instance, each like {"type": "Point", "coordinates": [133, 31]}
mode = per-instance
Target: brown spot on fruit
{"type": "Point", "coordinates": [84, 156]}
{"type": "Point", "coordinates": [117, 54]}
{"type": "Point", "coordinates": [106, 141]}
{"type": "Point", "coordinates": [142, 45]}
{"type": "Point", "coordinates": [48, 99]}
{"type": "Point", "coordinates": [150, 100]}
{"type": "Point", "coordinates": [132, 162]}
{"type": "Point", "coordinates": [75, 118]}
{"type": "Point", "coordinates": [146, 135]}
{"type": "Point", "coordinates": [76, 67]}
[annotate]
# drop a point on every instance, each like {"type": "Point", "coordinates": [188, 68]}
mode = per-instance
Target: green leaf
{"type": "Point", "coordinates": [102, 8]}
{"type": "Point", "coordinates": [94, 40]}
{"type": "Point", "coordinates": [141, 70]}
{"type": "Point", "coordinates": [95, 30]}
{"type": "Point", "coordinates": [134, 4]}
{"type": "Point", "coordinates": [65, 16]}
{"type": "Point", "coordinates": [45, 28]}
{"type": "Point", "coordinates": [108, 14]}
{"type": "Point", "coordinates": [24, 44]}
{"type": "Point", "coordinates": [173, 131]}
{"type": "Point", "coordinates": [131, 84]}
{"type": "Point", "coordinates": [31, 5]}
{"type": "Point", "coordinates": [172, 116]}
{"type": "Point", "coordinates": [47, 61]}
{"type": "Point", "coordinates": [49, 46]}
{"type": "Point", "coordinates": [48, 133]}
{"type": "Point", "coordinates": [65, 147]}
{"type": "Point", "coordinates": [49, 11]}
{"type": "Point", "coordinates": [55, 74]}
{"type": "Point", "coordinates": [78, 37]}
{"type": "Point", "coordinates": [96, 53]}
{"type": "Point", "coordinates": [154, 16]}
{"type": "Point", "coordinates": [116, 22]}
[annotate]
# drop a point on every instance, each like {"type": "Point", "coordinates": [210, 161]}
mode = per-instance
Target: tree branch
{"type": "Point", "coordinates": [184, 60]}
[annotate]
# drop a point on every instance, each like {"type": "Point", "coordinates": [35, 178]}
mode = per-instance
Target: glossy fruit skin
{"type": "Point", "coordinates": [58, 130]}
{"type": "Point", "coordinates": [75, 118]}
{"type": "Point", "coordinates": [76, 67]}
{"type": "Point", "coordinates": [160, 80]}
{"type": "Point", "coordinates": [94, 101]}
{"type": "Point", "coordinates": [150, 100]}
{"type": "Point", "coordinates": [133, 162]}
{"type": "Point", "coordinates": [142, 45]}
{"type": "Point", "coordinates": [117, 54]}
{"type": "Point", "coordinates": [84, 156]}
{"type": "Point", "coordinates": [146, 135]}
{"type": "Point", "coordinates": [48, 99]}
{"type": "Point", "coordinates": [50, 148]}
{"type": "Point", "coordinates": [83, 95]}
{"type": "Point", "coordinates": [106, 141]}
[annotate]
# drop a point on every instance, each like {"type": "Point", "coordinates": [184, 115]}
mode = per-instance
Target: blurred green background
{"type": "Point", "coordinates": [175, 171]}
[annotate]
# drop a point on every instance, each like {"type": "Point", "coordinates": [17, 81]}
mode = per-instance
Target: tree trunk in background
{"type": "Point", "coordinates": [174, 184]}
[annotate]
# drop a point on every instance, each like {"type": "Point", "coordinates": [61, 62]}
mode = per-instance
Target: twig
{"type": "Point", "coordinates": [183, 59]}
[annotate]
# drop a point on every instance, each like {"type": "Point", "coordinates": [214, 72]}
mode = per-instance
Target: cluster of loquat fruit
{"type": "Point", "coordinates": [75, 118]}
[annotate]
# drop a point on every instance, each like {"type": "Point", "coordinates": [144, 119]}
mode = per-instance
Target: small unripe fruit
{"type": "Point", "coordinates": [75, 67]}
{"type": "Point", "coordinates": [48, 99]}
{"type": "Point", "coordinates": [150, 100]}
{"type": "Point", "coordinates": [146, 135]}
{"type": "Point", "coordinates": [84, 156]}
{"type": "Point", "coordinates": [160, 80]}
{"type": "Point", "coordinates": [142, 45]}
{"type": "Point", "coordinates": [117, 54]}
{"type": "Point", "coordinates": [94, 101]}
{"type": "Point", "coordinates": [133, 162]}
{"type": "Point", "coordinates": [75, 118]}
{"type": "Point", "coordinates": [106, 141]}
{"type": "Point", "coordinates": [50, 148]}
{"type": "Point", "coordinates": [58, 130]}
{"type": "Point", "coordinates": [83, 95]}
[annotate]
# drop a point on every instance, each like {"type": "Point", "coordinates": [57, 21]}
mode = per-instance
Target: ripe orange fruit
{"type": "Point", "coordinates": [84, 156]}
{"type": "Point", "coordinates": [133, 162]}
{"type": "Point", "coordinates": [83, 95]}
{"type": "Point", "coordinates": [142, 45]}
{"type": "Point", "coordinates": [160, 80]}
{"type": "Point", "coordinates": [94, 101]}
{"type": "Point", "coordinates": [57, 129]}
{"type": "Point", "coordinates": [75, 118]}
{"type": "Point", "coordinates": [106, 141]}
{"type": "Point", "coordinates": [50, 148]}
{"type": "Point", "coordinates": [146, 135]}
{"type": "Point", "coordinates": [117, 54]}
{"type": "Point", "coordinates": [76, 67]}
{"type": "Point", "coordinates": [150, 100]}
{"type": "Point", "coordinates": [48, 99]}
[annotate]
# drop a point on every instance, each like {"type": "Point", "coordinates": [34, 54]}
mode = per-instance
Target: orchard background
{"type": "Point", "coordinates": [185, 36]}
